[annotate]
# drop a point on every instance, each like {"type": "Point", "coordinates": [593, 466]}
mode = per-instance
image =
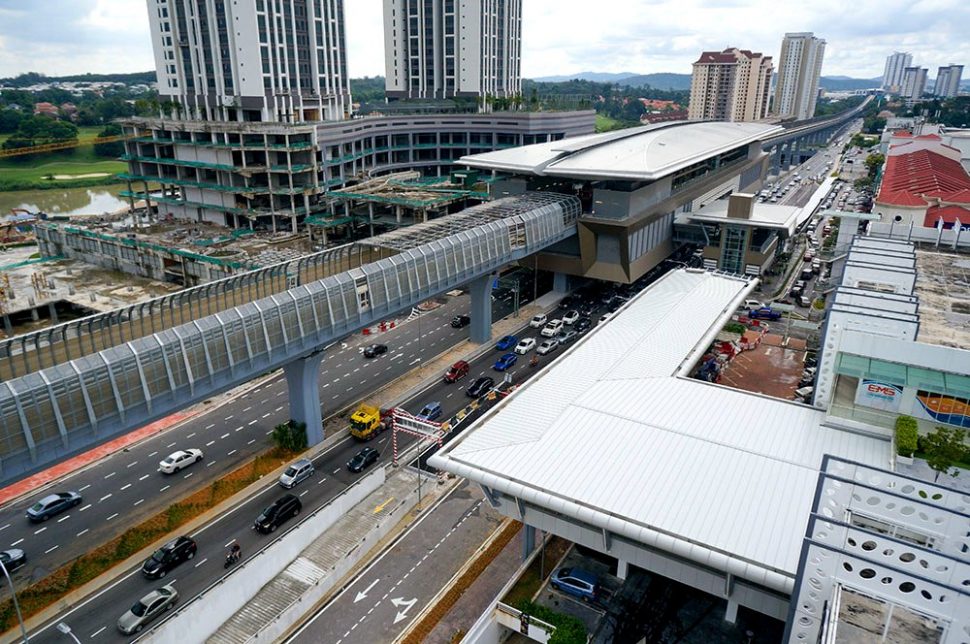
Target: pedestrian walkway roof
{"type": "Point", "coordinates": [613, 436]}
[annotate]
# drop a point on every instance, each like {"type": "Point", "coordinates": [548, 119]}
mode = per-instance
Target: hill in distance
{"type": "Point", "coordinates": [682, 81]}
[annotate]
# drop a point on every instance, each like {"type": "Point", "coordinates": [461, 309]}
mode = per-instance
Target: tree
{"type": "Point", "coordinates": [113, 149]}
{"type": "Point", "coordinates": [873, 162]}
{"type": "Point", "coordinates": [10, 121]}
{"type": "Point", "coordinates": [943, 448]}
{"type": "Point", "coordinates": [290, 436]}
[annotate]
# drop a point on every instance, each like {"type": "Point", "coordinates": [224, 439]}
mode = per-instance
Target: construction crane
{"type": "Point", "coordinates": [62, 145]}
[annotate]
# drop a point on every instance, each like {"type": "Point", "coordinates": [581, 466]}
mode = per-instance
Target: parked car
{"type": "Point", "coordinates": [506, 343]}
{"type": "Point", "coordinates": [576, 582]}
{"type": "Point", "coordinates": [362, 459]}
{"type": "Point", "coordinates": [804, 393]}
{"type": "Point", "coordinates": [567, 336]}
{"type": "Point", "coordinates": [179, 460]}
{"type": "Point", "coordinates": [552, 328]}
{"type": "Point", "coordinates": [460, 321]}
{"type": "Point", "coordinates": [525, 345]}
{"type": "Point", "coordinates": [804, 300]}
{"type": "Point", "coordinates": [479, 387]}
{"type": "Point", "coordinates": [146, 609]}
{"type": "Point", "coordinates": [547, 346]}
{"type": "Point", "coordinates": [538, 321]}
{"type": "Point", "coordinates": [283, 509]}
{"type": "Point", "coordinates": [168, 556]}
{"type": "Point", "coordinates": [13, 558]}
{"type": "Point", "coordinates": [764, 314]}
{"type": "Point", "coordinates": [53, 504]}
{"type": "Point", "coordinates": [583, 325]}
{"type": "Point", "coordinates": [375, 350]}
{"type": "Point", "coordinates": [570, 317]}
{"type": "Point", "coordinates": [505, 362]}
{"type": "Point", "coordinates": [605, 317]}
{"type": "Point", "coordinates": [296, 473]}
{"type": "Point", "coordinates": [430, 411]}
{"type": "Point", "coordinates": [457, 371]}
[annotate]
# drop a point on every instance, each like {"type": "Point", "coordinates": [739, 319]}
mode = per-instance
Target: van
{"type": "Point", "coordinates": [456, 372]}
{"type": "Point", "coordinates": [297, 472]}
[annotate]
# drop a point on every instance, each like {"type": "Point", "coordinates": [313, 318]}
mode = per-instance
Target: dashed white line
{"type": "Point", "coordinates": [252, 422]}
{"type": "Point", "coordinates": [251, 442]}
{"type": "Point", "coordinates": [132, 464]}
{"type": "Point", "coordinates": [142, 478]}
{"type": "Point", "coordinates": [85, 508]}
{"type": "Point", "coordinates": [191, 435]}
{"type": "Point", "coordinates": [231, 453]}
{"type": "Point", "coordinates": [106, 496]}
{"type": "Point", "coordinates": [201, 562]}
{"type": "Point", "coordinates": [112, 517]}
{"type": "Point", "coordinates": [280, 408]}
{"type": "Point", "coordinates": [210, 426]}
{"type": "Point", "coordinates": [210, 463]}
{"type": "Point", "coordinates": [165, 488]}
{"type": "Point", "coordinates": [210, 443]}
{"type": "Point", "coordinates": [280, 394]}
{"type": "Point", "coordinates": [266, 415]}
{"type": "Point", "coordinates": [39, 531]}
{"type": "Point", "coordinates": [64, 518]}
{"type": "Point", "coordinates": [229, 417]}
{"type": "Point", "coordinates": [336, 470]}
{"type": "Point", "coordinates": [247, 409]}
{"type": "Point", "coordinates": [51, 549]}
{"type": "Point", "coordinates": [98, 632]}
{"type": "Point", "coordinates": [304, 492]}
{"type": "Point", "coordinates": [125, 487]}
{"type": "Point", "coordinates": [269, 432]}
{"type": "Point", "coordinates": [110, 475]}
{"type": "Point", "coordinates": [188, 475]}
{"type": "Point", "coordinates": [81, 532]}
{"type": "Point", "coordinates": [224, 436]}
{"type": "Point", "coordinates": [138, 501]}
{"type": "Point", "coordinates": [4, 527]}
{"type": "Point", "coordinates": [16, 542]}
{"type": "Point", "coordinates": [170, 445]}
{"type": "Point", "coordinates": [152, 454]}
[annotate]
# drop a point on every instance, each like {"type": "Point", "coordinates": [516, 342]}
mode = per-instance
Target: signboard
{"type": "Point", "coordinates": [879, 395]}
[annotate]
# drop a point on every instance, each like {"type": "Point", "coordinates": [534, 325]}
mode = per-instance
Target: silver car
{"type": "Point", "coordinates": [146, 609]}
{"type": "Point", "coordinates": [296, 472]}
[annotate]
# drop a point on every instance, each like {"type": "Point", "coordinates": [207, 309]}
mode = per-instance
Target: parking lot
{"type": "Point", "coordinates": [770, 368]}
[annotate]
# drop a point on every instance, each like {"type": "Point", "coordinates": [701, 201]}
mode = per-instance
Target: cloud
{"type": "Point", "coordinates": [559, 37]}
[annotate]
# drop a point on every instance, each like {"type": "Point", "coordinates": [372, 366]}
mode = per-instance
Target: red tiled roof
{"type": "Point", "coordinates": [716, 57]}
{"type": "Point", "coordinates": [960, 196]}
{"type": "Point", "coordinates": [909, 176]}
{"type": "Point", "coordinates": [949, 214]}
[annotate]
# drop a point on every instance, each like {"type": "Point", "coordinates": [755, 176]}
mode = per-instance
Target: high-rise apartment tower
{"type": "Point", "coordinates": [892, 77]}
{"type": "Point", "coordinates": [948, 81]}
{"type": "Point", "coordinates": [914, 83]}
{"type": "Point", "coordinates": [437, 49]}
{"type": "Point", "coordinates": [730, 85]}
{"type": "Point", "coordinates": [799, 68]}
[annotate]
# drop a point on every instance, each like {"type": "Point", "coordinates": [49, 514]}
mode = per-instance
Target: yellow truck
{"type": "Point", "coordinates": [367, 422]}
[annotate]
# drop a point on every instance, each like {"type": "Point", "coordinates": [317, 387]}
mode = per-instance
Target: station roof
{"type": "Point", "coordinates": [640, 153]}
{"type": "Point", "coordinates": [612, 435]}
{"type": "Point", "coordinates": [763, 215]}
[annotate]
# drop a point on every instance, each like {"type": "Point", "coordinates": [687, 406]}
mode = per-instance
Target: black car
{"type": "Point", "coordinates": [362, 459]}
{"type": "Point", "coordinates": [567, 302]}
{"type": "Point", "coordinates": [375, 350]}
{"type": "Point", "coordinates": [479, 387]}
{"type": "Point", "coordinates": [582, 325]}
{"type": "Point", "coordinates": [12, 559]}
{"type": "Point", "coordinates": [283, 509]}
{"type": "Point", "coordinates": [52, 504]}
{"type": "Point", "coordinates": [168, 556]}
{"type": "Point", "coordinates": [460, 321]}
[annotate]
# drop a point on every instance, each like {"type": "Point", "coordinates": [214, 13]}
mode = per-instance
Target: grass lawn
{"type": "Point", "coordinates": [24, 170]}
{"type": "Point", "coordinates": [605, 123]}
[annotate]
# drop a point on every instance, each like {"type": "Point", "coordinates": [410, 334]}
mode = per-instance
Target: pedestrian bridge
{"type": "Point", "coordinates": [69, 387]}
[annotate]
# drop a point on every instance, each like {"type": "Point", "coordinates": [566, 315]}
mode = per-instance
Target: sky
{"type": "Point", "coordinates": [560, 37]}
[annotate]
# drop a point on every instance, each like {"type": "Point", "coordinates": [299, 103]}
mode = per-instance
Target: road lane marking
{"type": "Point", "coordinates": [4, 527]}
{"type": "Point", "coordinates": [191, 435]}
{"type": "Point", "coordinates": [106, 496]}
{"type": "Point", "coordinates": [132, 464]}
{"type": "Point", "coordinates": [170, 445]}
{"type": "Point", "coordinates": [81, 532]}
{"type": "Point", "coordinates": [165, 488]}
{"type": "Point", "coordinates": [109, 475]}
{"type": "Point", "coordinates": [16, 542]}
{"type": "Point", "coordinates": [201, 562]}
{"type": "Point", "coordinates": [152, 454]}
{"type": "Point", "coordinates": [251, 442]}
{"type": "Point", "coordinates": [229, 417]}
{"type": "Point", "coordinates": [224, 436]}
{"type": "Point", "coordinates": [210, 426]}
{"type": "Point", "coordinates": [112, 517]}
{"type": "Point", "coordinates": [188, 475]}
{"type": "Point", "coordinates": [280, 394]}
{"type": "Point", "coordinates": [85, 508]}
{"type": "Point", "coordinates": [142, 478]}
{"type": "Point", "coordinates": [210, 463]}
{"type": "Point", "coordinates": [231, 453]}
{"type": "Point", "coordinates": [252, 422]}
{"type": "Point", "coordinates": [304, 492]}
{"type": "Point", "coordinates": [336, 470]}
{"type": "Point", "coordinates": [247, 409]}
{"type": "Point", "coordinates": [50, 550]}
{"type": "Point", "coordinates": [98, 632]}
{"type": "Point", "coordinates": [138, 501]}
{"type": "Point", "coordinates": [83, 488]}
{"type": "Point", "coordinates": [41, 530]}
{"type": "Point", "coordinates": [269, 432]}
{"type": "Point", "coordinates": [125, 487]}
{"type": "Point", "coordinates": [280, 408]}
{"type": "Point", "coordinates": [266, 415]}
{"type": "Point", "coordinates": [210, 443]}
{"type": "Point", "coordinates": [64, 518]}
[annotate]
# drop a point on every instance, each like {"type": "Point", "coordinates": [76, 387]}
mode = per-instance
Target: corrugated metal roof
{"type": "Point", "coordinates": [609, 421]}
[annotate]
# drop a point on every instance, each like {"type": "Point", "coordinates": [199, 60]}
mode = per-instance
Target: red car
{"type": "Point", "coordinates": [456, 372]}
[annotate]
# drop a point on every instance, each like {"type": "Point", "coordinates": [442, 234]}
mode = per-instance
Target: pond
{"type": "Point", "coordinates": [68, 201]}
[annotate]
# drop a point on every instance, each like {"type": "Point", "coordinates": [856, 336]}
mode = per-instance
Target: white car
{"type": "Point", "coordinates": [537, 321]}
{"type": "Point", "coordinates": [525, 345]}
{"type": "Point", "coordinates": [547, 346]}
{"type": "Point", "coordinates": [605, 317]}
{"type": "Point", "coordinates": [179, 460]}
{"type": "Point", "coordinates": [552, 328]}
{"type": "Point", "coordinates": [570, 317]}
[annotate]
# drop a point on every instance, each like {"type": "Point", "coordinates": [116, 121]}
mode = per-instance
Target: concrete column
{"type": "Point", "coordinates": [560, 283]}
{"type": "Point", "coordinates": [53, 312]}
{"type": "Point", "coordinates": [776, 161]}
{"type": "Point", "coordinates": [528, 541]}
{"type": "Point", "coordinates": [303, 385]}
{"type": "Point", "coordinates": [731, 613]}
{"type": "Point", "coordinates": [622, 568]}
{"type": "Point", "coordinates": [370, 217]}
{"type": "Point", "coordinates": [481, 309]}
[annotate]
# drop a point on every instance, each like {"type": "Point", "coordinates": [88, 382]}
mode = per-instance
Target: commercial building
{"type": "Point", "coordinates": [914, 83]}
{"type": "Point", "coordinates": [948, 81]}
{"type": "Point", "coordinates": [799, 68]}
{"type": "Point", "coordinates": [438, 49]}
{"type": "Point", "coordinates": [731, 85]}
{"type": "Point", "coordinates": [631, 183]}
{"type": "Point", "coordinates": [892, 77]}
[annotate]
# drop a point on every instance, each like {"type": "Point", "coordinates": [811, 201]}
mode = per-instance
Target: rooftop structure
{"type": "Point", "coordinates": [731, 85]}
{"type": "Point", "coordinates": [600, 447]}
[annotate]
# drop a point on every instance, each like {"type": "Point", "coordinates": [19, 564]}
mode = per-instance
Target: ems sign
{"type": "Point", "coordinates": [879, 395]}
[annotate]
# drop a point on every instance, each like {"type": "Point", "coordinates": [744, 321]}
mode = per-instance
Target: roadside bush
{"type": "Point", "coordinates": [907, 437]}
{"type": "Point", "coordinates": [290, 436]}
{"type": "Point", "coordinates": [569, 630]}
{"type": "Point", "coordinates": [734, 327]}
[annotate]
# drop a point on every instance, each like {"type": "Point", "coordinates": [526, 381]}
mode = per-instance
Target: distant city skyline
{"type": "Point", "coordinates": [636, 36]}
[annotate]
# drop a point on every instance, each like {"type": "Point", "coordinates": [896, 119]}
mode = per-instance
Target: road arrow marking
{"type": "Point", "coordinates": [398, 602]}
{"type": "Point", "coordinates": [363, 594]}
{"type": "Point", "coordinates": [382, 505]}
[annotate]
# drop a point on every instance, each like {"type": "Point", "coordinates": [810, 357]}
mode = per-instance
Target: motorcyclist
{"type": "Point", "coordinates": [235, 552]}
{"type": "Point", "coordinates": [535, 361]}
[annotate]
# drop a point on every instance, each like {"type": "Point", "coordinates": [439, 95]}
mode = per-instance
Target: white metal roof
{"type": "Point", "coordinates": [609, 420]}
{"type": "Point", "coordinates": [642, 153]}
{"type": "Point", "coordinates": [762, 215]}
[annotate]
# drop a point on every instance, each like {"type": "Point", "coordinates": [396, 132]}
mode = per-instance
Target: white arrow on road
{"type": "Point", "coordinates": [398, 602]}
{"type": "Point", "coordinates": [363, 594]}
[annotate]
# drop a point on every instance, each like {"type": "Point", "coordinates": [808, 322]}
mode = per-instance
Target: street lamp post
{"type": "Point", "coordinates": [16, 604]}
{"type": "Point", "coordinates": [64, 628]}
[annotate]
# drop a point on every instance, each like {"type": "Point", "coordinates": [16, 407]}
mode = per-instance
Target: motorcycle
{"type": "Point", "coordinates": [534, 362]}
{"type": "Point", "coordinates": [232, 558]}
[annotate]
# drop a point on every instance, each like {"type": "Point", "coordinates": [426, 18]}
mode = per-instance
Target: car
{"type": "Point", "coordinates": [753, 304]}
{"type": "Point", "coordinates": [583, 325]}
{"type": "Point", "coordinates": [505, 362]}
{"type": "Point", "coordinates": [552, 328]}
{"type": "Point", "coordinates": [460, 321]}
{"type": "Point", "coordinates": [375, 350]}
{"type": "Point", "coordinates": [146, 609]}
{"type": "Point", "coordinates": [805, 393]}
{"type": "Point", "coordinates": [525, 345]}
{"type": "Point", "coordinates": [570, 317]}
{"type": "Point", "coordinates": [13, 558]}
{"type": "Point", "coordinates": [282, 510]}
{"type": "Point", "coordinates": [605, 317]}
{"type": "Point", "coordinates": [480, 387]}
{"type": "Point", "coordinates": [764, 314]}
{"type": "Point", "coordinates": [362, 459]}
{"type": "Point", "coordinates": [576, 582]}
{"type": "Point", "coordinates": [547, 346]}
{"type": "Point", "coordinates": [538, 321]}
{"type": "Point", "coordinates": [430, 411]}
{"type": "Point", "coordinates": [298, 471]}
{"type": "Point", "coordinates": [506, 343]}
{"type": "Point", "coordinates": [804, 300]}
{"type": "Point", "coordinates": [567, 336]}
{"type": "Point", "coordinates": [179, 460]}
{"type": "Point", "coordinates": [53, 504]}
{"type": "Point", "coordinates": [168, 556]}
{"type": "Point", "coordinates": [457, 371]}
